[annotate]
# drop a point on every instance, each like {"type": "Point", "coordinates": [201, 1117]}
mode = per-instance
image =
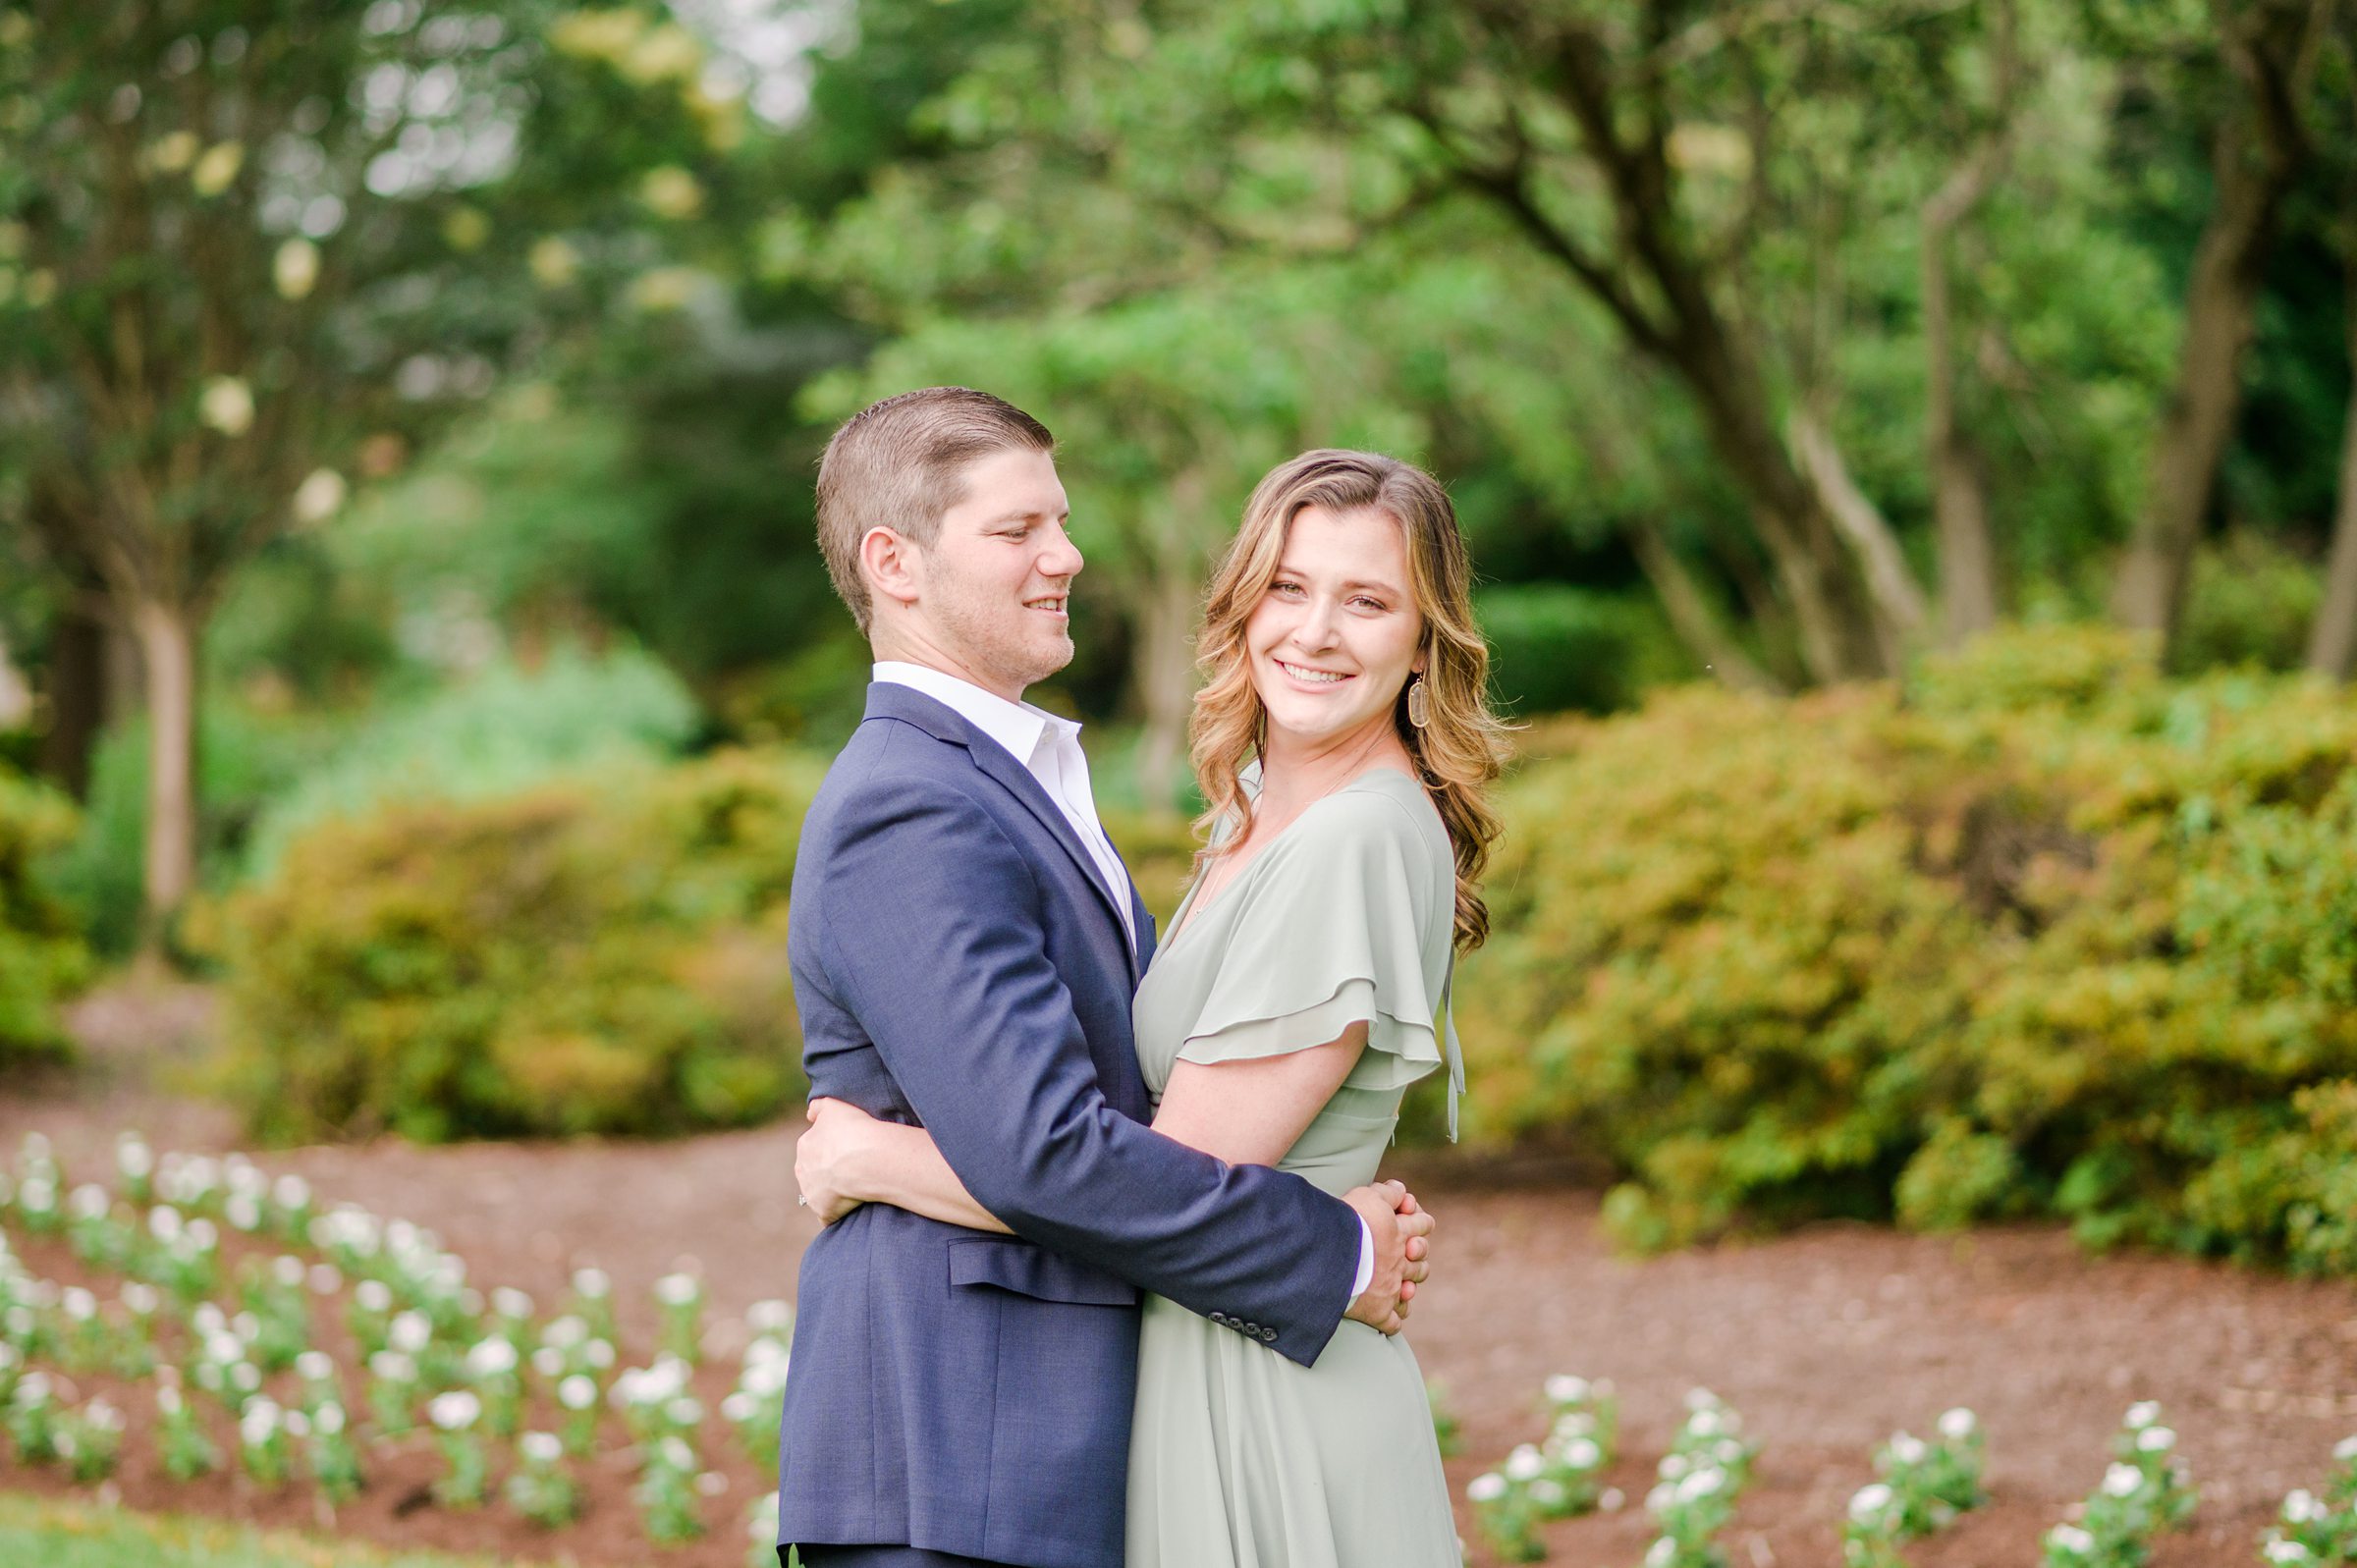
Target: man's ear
{"type": "Point", "coordinates": [893, 565]}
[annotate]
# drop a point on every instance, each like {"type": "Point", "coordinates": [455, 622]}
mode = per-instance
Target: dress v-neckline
{"type": "Point", "coordinates": [1184, 918]}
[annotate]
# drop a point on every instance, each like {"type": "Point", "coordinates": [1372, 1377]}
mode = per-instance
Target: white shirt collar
{"type": "Point", "coordinates": [1015, 725]}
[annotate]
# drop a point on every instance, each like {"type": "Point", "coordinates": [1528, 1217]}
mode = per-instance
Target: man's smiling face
{"type": "Point", "coordinates": [996, 581]}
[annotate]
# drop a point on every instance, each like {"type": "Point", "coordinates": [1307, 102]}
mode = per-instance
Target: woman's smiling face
{"type": "Point", "coordinates": [1337, 635]}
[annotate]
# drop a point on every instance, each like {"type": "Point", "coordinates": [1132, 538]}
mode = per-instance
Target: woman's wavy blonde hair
{"type": "Point", "coordinates": [1457, 753]}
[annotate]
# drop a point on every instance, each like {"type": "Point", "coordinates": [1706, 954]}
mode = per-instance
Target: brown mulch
{"type": "Point", "coordinates": [1826, 1340]}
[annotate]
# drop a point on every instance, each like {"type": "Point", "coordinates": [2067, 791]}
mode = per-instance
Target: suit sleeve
{"type": "Point", "coordinates": [934, 935]}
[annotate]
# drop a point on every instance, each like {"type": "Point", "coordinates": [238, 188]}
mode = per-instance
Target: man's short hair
{"type": "Point", "coordinates": [901, 465]}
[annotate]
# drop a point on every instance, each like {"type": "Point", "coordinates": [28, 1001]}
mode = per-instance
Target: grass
{"type": "Point", "coordinates": [75, 1535]}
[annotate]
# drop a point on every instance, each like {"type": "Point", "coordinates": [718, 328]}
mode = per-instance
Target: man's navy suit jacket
{"type": "Point", "coordinates": [957, 965]}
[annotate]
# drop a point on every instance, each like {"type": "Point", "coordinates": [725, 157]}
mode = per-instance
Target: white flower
{"type": "Point", "coordinates": [591, 1282]}
{"type": "Point", "coordinates": [314, 1366]}
{"type": "Point", "coordinates": [216, 168]}
{"type": "Point", "coordinates": [391, 1365]}
{"type": "Point", "coordinates": [326, 1279]}
{"type": "Point", "coordinates": [2286, 1551]}
{"type": "Point", "coordinates": [299, 1425]}
{"type": "Point", "coordinates": [2071, 1539]}
{"type": "Point", "coordinates": [1958, 1424]}
{"type": "Point", "coordinates": [683, 1412]}
{"type": "Point", "coordinates": [2122, 1481]}
{"type": "Point", "coordinates": [1566, 1390]}
{"type": "Point", "coordinates": [740, 1407]}
{"type": "Point", "coordinates": [2155, 1441]}
{"type": "Point", "coordinates": [711, 1484]}
{"type": "Point", "coordinates": [1869, 1502]}
{"type": "Point", "coordinates": [373, 1295]}
{"type": "Point", "coordinates": [1661, 1554]}
{"type": "Point", "coordinates": [132, 1157]}
{"type": "Point", "coordinates": [2345, 1449]}
{"type": "Point", "coordinates": [292, 1192]}
{"type": "Point", "coordinates": [2142, 1414]}
{"type": "Point", "coordinates": [1581, 1454]}
{"type": "Point", "coordinates": [1525, 1463]}
{"type": "Point", "coordinates": [1701, 1400]}
{"type": "Point", "coordinates": [259, 1423]}
{"type": "Point", "coordinates": [1573, 1424]}
{"type": "Point", "coordinates": [1702, 1482]}
{"type": "Point", "coordinates": [318, 497]}
{"type": "Point", "coordinates": [1548, 1492]}
{"type": "Point", "coordinates": [509, 1302]}
{"type": "Point", "coordinates": [1661, 1498]}
{"type": "Point", "coordinates": [227, 404]}
{"type": "Point", "coordinates": [562, 1333]}
{"type": "Point", "coordinates": [599, 1353]}
{"type": "Point", "coordinates": [295, 269]}
{"type": "Point", "coordinates": [164, 1224]}
{"type": "Point", "coordinates": [79, 1304]}
{"type": "Point", "coordinates": [1907, 1450]}
{"type": "Point", "coordinates": [141, 1298]}
{"type": "Point", "coordinates": [409, 1332]}
{"type": "Point", "coordinates": [576, 1393]}
{"type": "Point", "coordinates": [540, 1447]}
{"type": "Point", "coordinates": [491, 1358]}
{"type": "Point", "coordinates": [288, 1271]}
{"type": "Point", "coordinates": [1704, 1424]}
{"type": "Point", "coordinates": [548, 1360]}
{"type": "Point", "coordinates": [769, 1317]}
{"type": "Point", "coordinates": [89, 1201]}
{"type": "Point", "coordinates": [454, 1410]}
{"type": "Point", "coordinates": [677, 1290]}
{"type": "Point", "coordinates": [2301, 1507]}
{"type": "Point", "coordinates": [328, 1418]}
{"type": "Point", "coordinates": [168, 1400]}
{"type": "Point", "coordinates": [1673, 1466]}
{"type": "Point", "coordinates": [1486, 1487]}
{"type": "Point", "coordinates": [675, 1454]}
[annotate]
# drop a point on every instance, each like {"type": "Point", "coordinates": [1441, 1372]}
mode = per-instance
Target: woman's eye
{"type": "Point", "coordinates": [1284, 587]}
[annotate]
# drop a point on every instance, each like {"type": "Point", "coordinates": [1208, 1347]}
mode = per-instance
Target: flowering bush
{"type": "Point", "coordinates": [2319, 1531]}
{"type": "Point", "coordinates": [1924, 1487]}
{"type": "Point", "coordinates": [2039, 933]}
{"type": "Point", "coordinates": [2144, 1492]}
{"type": "Point", "coordinates": [601, 956]}
{"type": "Point", "coordinates": [1707, 1465]}
{"type": "Point", "coordinates": [1552, 1479]}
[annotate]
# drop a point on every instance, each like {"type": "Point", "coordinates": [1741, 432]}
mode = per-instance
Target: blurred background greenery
{"type": "Point", "coordinates": [409, 613]}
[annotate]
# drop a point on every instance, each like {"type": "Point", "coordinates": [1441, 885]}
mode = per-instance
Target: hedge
{"type": "Point", "coordinates": [2038, 933]}
{"type": "Point", "coordinates": [42, 955]}
{"type": "Point", "coordinates": [601, 954]}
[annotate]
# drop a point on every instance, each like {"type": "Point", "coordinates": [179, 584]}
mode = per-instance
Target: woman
{"type": "Point", "coordinates": [1344, 744]}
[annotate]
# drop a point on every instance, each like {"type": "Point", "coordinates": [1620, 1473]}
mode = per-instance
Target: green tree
{"type": "Point", "coordinates": [252, 248]}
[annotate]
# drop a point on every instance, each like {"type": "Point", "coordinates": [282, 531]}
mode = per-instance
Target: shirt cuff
{"type": "Point", "coordinates": [1366, 1262]}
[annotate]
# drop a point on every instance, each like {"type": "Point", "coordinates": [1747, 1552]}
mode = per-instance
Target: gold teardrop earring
{"type": "Point", "coordinates": [1419, 703]}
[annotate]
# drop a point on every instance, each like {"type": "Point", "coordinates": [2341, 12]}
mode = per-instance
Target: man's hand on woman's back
{"type": "Point", "coordinates": [1402, 1232]}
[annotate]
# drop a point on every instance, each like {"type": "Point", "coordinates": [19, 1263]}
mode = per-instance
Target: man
{"type": "Point", "coordinates": [964, 944]}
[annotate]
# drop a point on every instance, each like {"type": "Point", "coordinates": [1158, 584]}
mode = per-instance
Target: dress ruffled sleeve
{"type": "Point", "coordinates": [1333, 931]}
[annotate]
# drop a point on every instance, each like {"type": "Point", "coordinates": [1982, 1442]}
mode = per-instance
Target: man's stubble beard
{"type": "Point", "coordinates": [993, 649]}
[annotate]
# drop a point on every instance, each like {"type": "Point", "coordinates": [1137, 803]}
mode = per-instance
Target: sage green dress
{"type": "Point", "coordinates": [1239, 1458]}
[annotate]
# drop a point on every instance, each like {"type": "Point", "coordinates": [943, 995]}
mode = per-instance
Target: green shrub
{"type": "Point", "coordinates": [2042, 933]}
{"type": "Point", "coordinates": [1554, 648]}
{"type": "Point", "coordinates": [242, 759]}
{"type": "Point", "coordinates": [502, 730]}
{"type": "Point", "coordinates": [604, 953]}
{"type": "Point", "coordinates": [42, 956]}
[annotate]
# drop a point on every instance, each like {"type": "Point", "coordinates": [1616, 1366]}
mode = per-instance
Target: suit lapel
{"type": "Point", "coordinates": [890, 700]}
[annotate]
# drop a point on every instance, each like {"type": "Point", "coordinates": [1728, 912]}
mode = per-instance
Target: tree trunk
{"type": "Point", "coordinates": [2333, 642]}
{"type": "Point", "coordinates": [2259, 151]}
{"type": "Point", "coordinates": [1165, 683]}
{"type": "Point", "coordinates": [167, 639]}
{"type": "Point", "coordinates": [78, 699]}
{"type": "Point", "coordinates": [1898, 605]}
{"type": "Point", "coordinates": [1691, 616]}
{"type": "Point", "coordinates": [1968, 585]}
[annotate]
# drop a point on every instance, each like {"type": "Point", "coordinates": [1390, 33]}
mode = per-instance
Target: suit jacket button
{"type": "Point", "coordinates": [1219, 1318]}
{"type": "Point", "coordinates": [1253, 1330]}
{"type": "Point", "coordinates": [1269, 1335]}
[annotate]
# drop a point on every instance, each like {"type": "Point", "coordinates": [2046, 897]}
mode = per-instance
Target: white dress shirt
{"type": "Point", "coordinates": [1048, 748]}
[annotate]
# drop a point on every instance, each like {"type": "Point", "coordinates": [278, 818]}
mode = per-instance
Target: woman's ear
{"type": "Point", "coordinates": [891, 564]}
